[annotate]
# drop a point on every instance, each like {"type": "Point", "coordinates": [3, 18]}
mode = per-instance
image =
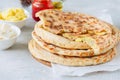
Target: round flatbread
{"type": "Point", "coordinates": [42, 54]}
{"type": "Point", "coordinates": [75, 31]}
{"type": "Point", "coordinates": [98, 43]}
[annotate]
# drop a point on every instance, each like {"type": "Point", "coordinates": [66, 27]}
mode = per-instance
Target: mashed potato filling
{"type": "Point", "coordinates": [91, 42]}
{"type": "Point", "coordinates": [86, 38]}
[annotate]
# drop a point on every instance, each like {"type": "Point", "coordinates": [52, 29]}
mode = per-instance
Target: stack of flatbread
{"type": "Point", "coordinates": [72, 39]}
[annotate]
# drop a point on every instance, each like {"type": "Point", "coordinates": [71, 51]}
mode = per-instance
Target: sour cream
{"type": "Point", "coordinates": [6, 32]}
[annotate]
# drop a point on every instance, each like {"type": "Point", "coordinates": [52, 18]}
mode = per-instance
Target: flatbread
{"type": "Point", "coordinates": [57, 22]}
{"type": "Point", "coordinates": [64, 29]}
{"type": "Point", "coordinates": [61, 51]}
{"type": "Point", "coordinates": [42, 54]}
{"type": "Point", "coordinates": [103, 42]}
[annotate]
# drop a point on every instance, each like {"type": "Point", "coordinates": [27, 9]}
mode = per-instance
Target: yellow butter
{"type": "Point", "coordinates": [13, 14]}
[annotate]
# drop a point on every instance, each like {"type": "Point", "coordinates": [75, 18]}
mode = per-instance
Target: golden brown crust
{"type": "Point", "coordinates": [57, 22]}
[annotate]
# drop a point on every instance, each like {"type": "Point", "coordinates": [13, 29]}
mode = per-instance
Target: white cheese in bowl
{"type": "Point", "coordinates": [8, 35]}
{"type": "Point", "coordinates": [6, 32]}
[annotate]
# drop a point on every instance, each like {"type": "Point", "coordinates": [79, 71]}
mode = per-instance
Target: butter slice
{"type": "Point", "coordinates": [91, 42]}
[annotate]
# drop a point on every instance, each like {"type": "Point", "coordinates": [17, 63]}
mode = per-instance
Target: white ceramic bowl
{"type": "Point", "coordinates": [7, 43]}
{"type": "Point", "coordinates": [19, 24]}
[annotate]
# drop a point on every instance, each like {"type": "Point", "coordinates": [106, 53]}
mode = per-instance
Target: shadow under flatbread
{"type": "Point", "coordinates": [19, 46]}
